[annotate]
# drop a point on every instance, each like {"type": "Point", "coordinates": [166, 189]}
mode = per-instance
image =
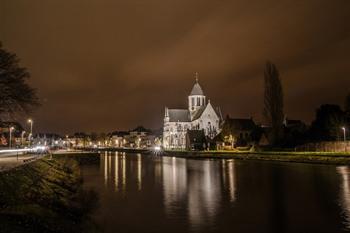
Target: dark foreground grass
{"type": "Point", "coordinates": [46, 196]}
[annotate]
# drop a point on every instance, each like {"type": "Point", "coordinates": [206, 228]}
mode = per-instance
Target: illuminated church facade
{"type": "Point", "coordinates": [200, 115]}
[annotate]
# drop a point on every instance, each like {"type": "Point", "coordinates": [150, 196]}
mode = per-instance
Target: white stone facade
{"type": "Point", "coordinates": [199, 115]}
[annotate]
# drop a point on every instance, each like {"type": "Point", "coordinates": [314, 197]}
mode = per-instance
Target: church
{"type": "Point", "coordinates": [200, 115]}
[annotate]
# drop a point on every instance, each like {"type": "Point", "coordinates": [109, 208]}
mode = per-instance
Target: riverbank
{"type": "Point", "coordinates": [299, 157]}
{"type": "Point", "coordinates": [281, 156]}
{"type": "Point", "coordinates": [46, 196]}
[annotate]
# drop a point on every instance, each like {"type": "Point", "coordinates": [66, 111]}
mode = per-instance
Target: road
{"type": "Point", "coordinates": [10, 160]}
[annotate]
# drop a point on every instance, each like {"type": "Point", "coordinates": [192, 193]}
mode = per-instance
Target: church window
{"type": "Point", "coordinates": [179, 128]}
{"type": "Point", "coordinates": [198, 101]}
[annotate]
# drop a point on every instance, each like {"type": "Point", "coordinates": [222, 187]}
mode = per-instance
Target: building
{"type": "Point", "coordinates": [139, 137]}
{"type": "Point", "coordinates": [18, 135]}
{"type": "Point", "coordinates": [200, 115]}
{"type": "Point", "coordinates": [238, 132]}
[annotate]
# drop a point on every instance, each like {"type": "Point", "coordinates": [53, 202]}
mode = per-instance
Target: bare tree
{"type": "Point", "coordinates": [273, 103]}
{"type": "Point", "coordinates": [16, 96]}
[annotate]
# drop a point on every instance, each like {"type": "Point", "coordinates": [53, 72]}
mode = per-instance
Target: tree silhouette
{"type": "Point", "coordinates": [16, 96]}
{"type": "Point", "coordinates": [347, 104]}
{"type": "Point", "coordinates": [273, 103]}
{"type": "Point", "coordinates": [328, 123]}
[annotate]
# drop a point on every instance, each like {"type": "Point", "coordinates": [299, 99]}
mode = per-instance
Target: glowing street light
{"type": "Point", "coordinates": [30, 121]}
{"type": "Point", "coordinates": [344, 131]}
{"type": "Point", "coordinates": [11, 129]}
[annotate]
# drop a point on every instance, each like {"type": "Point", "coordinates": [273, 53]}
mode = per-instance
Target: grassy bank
{"type": "Point", "coordinates": [45, 196]}
{"type": "Point", "coordinates": [301, 157]}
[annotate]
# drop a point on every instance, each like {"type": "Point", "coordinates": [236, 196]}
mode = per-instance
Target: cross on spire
{"type": "Point", "coordinates": [196, 77]}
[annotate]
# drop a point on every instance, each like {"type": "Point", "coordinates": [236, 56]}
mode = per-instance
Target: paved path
{"type": "Point", "coordinates": [11, 160]}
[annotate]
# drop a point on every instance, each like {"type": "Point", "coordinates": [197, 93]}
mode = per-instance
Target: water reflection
{"type": "Point", "coordinates": [204, 193]}
{"type": "Point", "coordinates": [139, 171]}
{"type": "Point", "coordinates": [113, 167]}
{"type": "Point", "coordinates": [116, 175]}
{"type": "Point", "coordinates": [345, 192]}
{"type": "Point", "coordinates": [229, 178]}
{"type": "Point", "coordinates": [166, 194]}
{"type": "Point", "coordinates": [174, 183]}
{"type": "Point", "coordinates": [198, 185]}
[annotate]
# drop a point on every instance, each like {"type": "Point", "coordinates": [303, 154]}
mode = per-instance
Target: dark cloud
{"type": "Point", "coordinates": [101, 65]}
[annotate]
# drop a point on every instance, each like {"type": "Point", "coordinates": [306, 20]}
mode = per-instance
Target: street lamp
{"type": "Point", "coordinates": [22, 137]}
{"type": "Point", "coordinates": [11, 129]}
{"type": "Point", "coordinates": [30, 121]}
{"type": "Point", "coordinates": [344, 131]}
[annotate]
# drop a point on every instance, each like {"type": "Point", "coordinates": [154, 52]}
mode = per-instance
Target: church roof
{"type": "Point", "coordinates": [199, 112]}
{"type": "Point", "coordinates": [197, 90]}
{"type": "Point", "coordinates": [182, 115]}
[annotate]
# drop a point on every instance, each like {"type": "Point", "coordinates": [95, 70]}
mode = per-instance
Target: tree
{"type": "Point", "coordinates": [16, 96]}
{"type": "Point", "coordinates": [347, 104]}
{"type": "Point", "coordinates": [328, 123]}
{"type": "Point", "coordinates": [273, 103]}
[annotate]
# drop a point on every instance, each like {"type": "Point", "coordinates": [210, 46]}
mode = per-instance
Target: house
{"type": "Point", "coordinates": [17, 135]}
{"type": "Point", "coordinates": [117, 138]}
{"type": "Point", "coordinates": [239, 132]}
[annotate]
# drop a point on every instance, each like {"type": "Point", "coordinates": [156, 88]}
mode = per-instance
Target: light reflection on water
{"type": "Point", "coordinates": [201, 191]}
{"type": "Point", "coordinates": [344, 171]}
{"type": "Point", "coordinates": [169, 194]}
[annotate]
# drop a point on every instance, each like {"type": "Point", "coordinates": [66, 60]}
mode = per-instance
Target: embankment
{"type": "Point", "coordinates": [46, 196]}
{"type": "Point", "coordinates": [300, 157]}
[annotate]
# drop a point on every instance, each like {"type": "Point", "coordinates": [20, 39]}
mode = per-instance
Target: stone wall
{"type": "Point", "coordinates": [335, 146]}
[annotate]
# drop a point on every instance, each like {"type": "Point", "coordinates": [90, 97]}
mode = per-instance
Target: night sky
{"type": "Point", "coordinates": [102, 65]}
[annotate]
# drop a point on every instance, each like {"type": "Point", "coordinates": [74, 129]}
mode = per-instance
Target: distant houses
{"type": "Point", "coordinates": [139, 137]}
{"type": "Point", "coordinates": [18, 135]}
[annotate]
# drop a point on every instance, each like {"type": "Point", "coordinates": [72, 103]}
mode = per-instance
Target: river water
{"type": "Point", "coordinates": [145, 193]}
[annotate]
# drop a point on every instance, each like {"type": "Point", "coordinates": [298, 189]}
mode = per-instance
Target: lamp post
{"type": "Point", "coordinates": [22, 137]}
{"type": "Point", "coordinates": [344, 131]}
{"type": "Point", "coordinates": [30, 121]}
{"type": "Point", "coordinates": [10, 143]}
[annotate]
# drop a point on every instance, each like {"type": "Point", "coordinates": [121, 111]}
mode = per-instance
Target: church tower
{"type": "Point", "coordinates": [197, 98]}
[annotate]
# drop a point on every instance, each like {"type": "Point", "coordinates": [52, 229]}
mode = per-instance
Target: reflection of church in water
{"type": "Point", "coordinates": [198, 185]}
{"type": "Point", "coordinates": [201, 191]}
{"type": "Point", "coordinates": [200, 115]}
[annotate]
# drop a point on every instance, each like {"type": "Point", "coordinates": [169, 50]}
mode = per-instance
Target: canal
{"type": "Point", "coordinates": [145, 193]}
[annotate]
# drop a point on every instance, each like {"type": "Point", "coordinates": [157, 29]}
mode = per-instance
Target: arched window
{"type": "Point", "coordinates": [179, 128]}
